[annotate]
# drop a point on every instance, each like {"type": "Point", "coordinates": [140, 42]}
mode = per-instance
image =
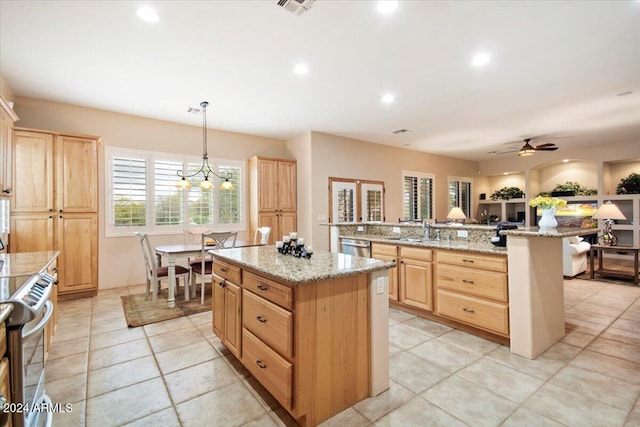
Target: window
{"type": "Point", "coordinates": [417, 196]}
{"type": "Point", "coordinates": [141, 194]}
{"type": "Point", "coordinates": [353, 200]}
{"type": "Point", "coordinates": [460, 194]}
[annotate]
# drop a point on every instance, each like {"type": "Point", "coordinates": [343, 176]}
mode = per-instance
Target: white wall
{"type": "Point", "coordinates": [300, 148]}
{"type": "Point", "coordinates": [120, 261]}
{"type": "Point", "coordinates": [582, 172]}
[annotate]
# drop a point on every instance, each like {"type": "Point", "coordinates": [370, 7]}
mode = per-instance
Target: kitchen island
{"type": "Point", "coordinates": [314, 332]}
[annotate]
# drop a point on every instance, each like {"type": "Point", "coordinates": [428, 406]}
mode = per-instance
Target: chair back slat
{"type": "Point", "coordinates": [149, 256]}
{"type": "Point", "coordinates": [262, 235]}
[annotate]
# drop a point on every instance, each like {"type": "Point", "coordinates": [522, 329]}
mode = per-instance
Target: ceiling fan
{"type": "Point", "coordinates": [528, 149]}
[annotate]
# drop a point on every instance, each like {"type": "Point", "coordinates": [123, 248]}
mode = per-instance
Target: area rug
{"type": "Point", "coordinates": [140, 312]}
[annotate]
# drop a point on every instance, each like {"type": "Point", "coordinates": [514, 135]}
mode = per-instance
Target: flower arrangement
{"type": "Point", "coordinates": [545, 202]}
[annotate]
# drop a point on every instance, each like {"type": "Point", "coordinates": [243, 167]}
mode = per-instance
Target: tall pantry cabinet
{"type": "Point", "coordinates": [273, 196]}
{"type": "Point", "coordinates": [55, 203]}
{"type": "Point", "coordinates": [7, 118]}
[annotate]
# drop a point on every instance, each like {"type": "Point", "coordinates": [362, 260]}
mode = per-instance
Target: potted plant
{"type": "Point", "coordinates": [629, 185]}
{"type": "Point", "coordinates": [506, 193]}
{"type": "Point", "coordinates": [575, 188]}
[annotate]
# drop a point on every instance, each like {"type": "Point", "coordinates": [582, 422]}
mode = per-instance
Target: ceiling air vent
{"type": "Point", "coordinates": [401, 131]}
{"type": "Point", "coordinates": [194, 110]}
{"type": "Point", "coordinates": [297, 7]}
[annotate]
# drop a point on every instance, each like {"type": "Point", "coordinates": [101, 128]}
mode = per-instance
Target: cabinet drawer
{"type": "Point", "coordinates": [491, 316]}
{"type": "Point", "coordinates": [481, 283]}
{"type": "Point", "coordinates": [382, 249]}
{"type": "Point", "coordinates": [273, 372]}
{"type": "Point", "coordinates": [275, 292]}
{"type": "Point", "coordinates": [421, 254]}
{"type": "Point", "coordinates": [227, 271]}
{"type": "Point", "coordinates": [466, 259]}
{"type": "Point", "coordinates": [270, 323]}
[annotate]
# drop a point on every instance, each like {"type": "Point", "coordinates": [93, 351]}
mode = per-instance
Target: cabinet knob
{"type": "Point", "coordinates": [7, 191]}
{"type": "Point", "coordinates": [262, 287]}
{"type": "Point", "coordinates": [60, 210]}
{"type": "Point", "coordinates": [50, 209]}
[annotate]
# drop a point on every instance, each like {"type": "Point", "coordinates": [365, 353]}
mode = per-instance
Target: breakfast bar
{"type": "Point", "coordinates": [314, 332]}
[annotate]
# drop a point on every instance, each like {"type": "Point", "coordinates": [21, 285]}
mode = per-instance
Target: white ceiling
{"type": "Point", "coordinates": [556, 67]}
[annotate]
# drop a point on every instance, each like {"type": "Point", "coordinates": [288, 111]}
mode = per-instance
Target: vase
{"type": "Point", "coordinates": [548, 219]}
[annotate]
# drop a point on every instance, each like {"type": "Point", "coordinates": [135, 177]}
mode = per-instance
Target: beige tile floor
{"type": "Point", "coordinates": [176, 373]}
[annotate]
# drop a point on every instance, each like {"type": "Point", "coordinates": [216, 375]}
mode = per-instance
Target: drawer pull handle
{"type": "Point", "coordinates": [468, 310]}
{"type": "Point", "coordinates": [261, 319]}
{"type": "Point", "coordinates": [224, 270]}
{"type": "Point", "coordinates": [262, 287]}
{"type": "Point", "coordinates": [261, 364]}
{"type": "Point", "coordinates": [223, 284]}
{"type": "Point", "coordinates": [466, 260]}
{"type": "Point", "coordinates": [467, 281]}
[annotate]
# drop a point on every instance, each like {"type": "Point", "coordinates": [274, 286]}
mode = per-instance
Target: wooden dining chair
{"type": "Point", "coordinates": [204, 267]}
{"type": "Point", "coordinates": [155, 274]}
{"type": "Point", "coordinates": [262, 235]}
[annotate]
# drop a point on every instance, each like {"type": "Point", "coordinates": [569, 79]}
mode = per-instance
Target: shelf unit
{"type": "Point", "coordinates": [513, 210]}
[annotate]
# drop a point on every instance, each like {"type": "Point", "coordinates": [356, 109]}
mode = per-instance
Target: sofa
{"type": "Point", "coordinates": [574, 255]}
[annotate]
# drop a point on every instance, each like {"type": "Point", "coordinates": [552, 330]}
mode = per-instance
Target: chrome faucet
{"type": "Point", "coordinates": [427, 230]}
{"type": "Point", "coordinates": [437, 235]}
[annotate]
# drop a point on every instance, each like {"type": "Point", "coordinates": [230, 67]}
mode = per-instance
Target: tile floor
{"type": "Point", "coordinates": [176, 373]}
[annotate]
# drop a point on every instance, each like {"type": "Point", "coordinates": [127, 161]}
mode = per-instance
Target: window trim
{"type": "Point", "coordinates": [460, 179]}
{"type": "Point", "coordinates": [418, 175]}
{"type": "Point", "coordinates": [150, 157]}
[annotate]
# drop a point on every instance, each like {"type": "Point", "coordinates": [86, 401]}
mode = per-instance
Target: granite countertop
{"type": "Point", "coordinates": [25, 263]}
{"type": "Point", "coordinates": [550, 232]}
{"type": "Point", "coordinates": [5, 311]}
{"type": "Point", "coordinates": [321, 266]}
{"type": "Point", "coordinates": [458, 245]}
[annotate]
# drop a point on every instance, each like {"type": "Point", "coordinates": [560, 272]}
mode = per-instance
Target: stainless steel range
{"type": "Point", "coordinates": [25, 332]}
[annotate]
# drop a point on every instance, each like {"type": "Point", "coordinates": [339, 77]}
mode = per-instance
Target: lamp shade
{"type": "Point", "coordinates": [608, 211]}
{"type": "Point", "coordinates": [456, 213]}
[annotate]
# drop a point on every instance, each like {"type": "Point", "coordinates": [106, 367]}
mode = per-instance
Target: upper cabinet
{"type": "Point", "coordinates": [77, 163]}
{"type": "Point", "coordinates": [33, 172]}
{"type": "Point", "coordinates": [7, 119]}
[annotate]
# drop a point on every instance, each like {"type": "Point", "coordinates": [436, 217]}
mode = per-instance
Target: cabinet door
{"type": "Point", "coordinates": [288, 223]}
{"type": "Point", "coordinates": [393, 276]}
{"type": "Point", "coordinates": [32, 172]}
{"type": "Point", "coordinates": [268, 185]}
{"type": "Point", "coordinates": [416, 284]}
{"type": "Point", "coordinates": [232, 321]}
{"type": "Point", "coordinates": [32, 233]}
{"type": "Point", "coordinates": [78, 245]}
{"type": "Point", "coordinates": [287, 186]}
{"type": "Point", "coordinates": [218, 307]}
{"type": "Point", "coordinates": [77, 174]}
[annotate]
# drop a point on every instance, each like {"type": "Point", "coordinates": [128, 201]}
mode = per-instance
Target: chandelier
{"type": "Point", "coordinates": [205, 169]}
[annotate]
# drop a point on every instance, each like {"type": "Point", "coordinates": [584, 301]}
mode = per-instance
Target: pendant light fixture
{"type": "Point", "coordinates": [205, 169]}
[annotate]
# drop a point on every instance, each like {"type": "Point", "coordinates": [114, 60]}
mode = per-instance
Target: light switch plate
{"type": "Point", "coordinates": [396, 230]}
{"type": "Point", "coordinates": [463, 233]}
{"type": "Point", "coordinates": [380, 287]}
{"type": "Point", "coordinates": [360, 228]}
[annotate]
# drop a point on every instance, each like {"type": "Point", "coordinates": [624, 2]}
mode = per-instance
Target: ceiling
{"type": "Point", "coordinates": [556, 68]}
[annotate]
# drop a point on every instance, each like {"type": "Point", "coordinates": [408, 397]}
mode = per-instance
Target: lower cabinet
{"type": "Point", "coordinates": [416, 277]}
{"type": "Point", "coordinates": [227, 305]}
{"type": "Point", "coordinates": [307, 344]}
{"type": "Point", "coordinates": [473, 289]}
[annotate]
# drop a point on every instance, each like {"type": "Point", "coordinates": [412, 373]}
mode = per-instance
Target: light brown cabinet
{"type": "Point", "coordinates": [416, 277]}
{"type": "Point", "coordinates": [272, 196]}
{"type": "Point", "coordinates": [7, 118]}
{"type": "Point", "coordinates": [473, 289]}
{"type": "Point", "coordinates": [227, 306]}
{"type": "Point", "coordinates": [388, 253]}
{"type": "Point", "coordinates": [55, 203]}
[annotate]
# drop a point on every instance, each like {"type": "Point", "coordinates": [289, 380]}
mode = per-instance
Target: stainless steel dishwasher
{"type": "Point", "coordinates": [356, 247]}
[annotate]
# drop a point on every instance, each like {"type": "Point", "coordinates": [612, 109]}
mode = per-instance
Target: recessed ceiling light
{"type": "Point", "coordinates": [301, 69]}
{"type": "Point", "coordinates": [147, 14]}
{"type": "Point", "coordinates": [388, 98]}
{"type": "Point", "coordinates": [481, 59]}
{"type": "Point", "coordinates": [565, 161]}
{"type": "Point", "coordinates": [505, 173]}
{"type": "Point", "coordinates": [387, 6]}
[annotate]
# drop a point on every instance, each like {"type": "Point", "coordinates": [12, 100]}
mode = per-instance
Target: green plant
{"type": "Point", "coordinates": [506, 193]}
{"type": "Point", "coordinates": [629, 185]}
{"type": "Point", "coordinates": [578, 190]}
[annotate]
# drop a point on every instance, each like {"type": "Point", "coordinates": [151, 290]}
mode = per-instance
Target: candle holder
{"type": "Point", "coordinates": [293, 245]}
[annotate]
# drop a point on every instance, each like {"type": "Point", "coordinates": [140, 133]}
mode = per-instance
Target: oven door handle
{"type": "Point", "coordinates": [48, 305]}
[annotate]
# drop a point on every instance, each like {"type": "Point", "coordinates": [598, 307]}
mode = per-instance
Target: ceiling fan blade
{"type": "Point", "coordinates": [547, 145]}
{"type": "Point", "coordinates": [546, 148]}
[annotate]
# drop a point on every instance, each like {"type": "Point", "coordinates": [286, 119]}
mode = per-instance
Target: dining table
{"type": "Point", "coordinates": [171, 253]}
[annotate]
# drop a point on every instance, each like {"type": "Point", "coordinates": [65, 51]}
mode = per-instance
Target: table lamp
{"type": "Point", "coordinates": [608, 212]}
{"type": "Point", "coordinates": [456, 214]}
